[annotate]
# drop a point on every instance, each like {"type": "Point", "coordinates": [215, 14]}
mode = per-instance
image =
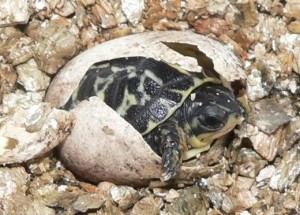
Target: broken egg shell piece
{"type": "Point", "coordinates": [104, 147]}
{"type": "Point", "coordinates": [150, 44]}
{"type": "Point", "coordinates": [18, 145]}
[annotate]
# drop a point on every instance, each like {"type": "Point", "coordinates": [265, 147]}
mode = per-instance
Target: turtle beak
{"type": "Point", "coordinates": [241, 114]}
{"type": "Point", "coordinates": [242, 111]}
{"type": "Point", "coordinates": [244, 107]}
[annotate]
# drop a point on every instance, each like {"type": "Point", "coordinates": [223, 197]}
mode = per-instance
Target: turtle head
{"type": "Point", "coordinates": [214, 112]}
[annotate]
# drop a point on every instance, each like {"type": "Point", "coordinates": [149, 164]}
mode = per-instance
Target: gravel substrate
{"type": "Point", "coordinates": [257, 172]}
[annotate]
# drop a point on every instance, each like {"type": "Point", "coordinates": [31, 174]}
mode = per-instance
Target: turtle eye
{"type": "Point", "coordinates": [212, 118]}
{"type": "Point", "coordinates": [211, 122]}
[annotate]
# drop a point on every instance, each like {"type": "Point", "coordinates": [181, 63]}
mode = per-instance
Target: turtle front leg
{"type": "Point", "coordinates": [171, 148]}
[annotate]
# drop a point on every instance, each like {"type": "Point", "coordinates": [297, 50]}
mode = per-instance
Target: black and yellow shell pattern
{"type": "Point", "coordinates": [144, 91]}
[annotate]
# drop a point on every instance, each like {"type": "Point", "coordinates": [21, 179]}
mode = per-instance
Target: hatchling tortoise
{"type": "Point", "coordinates": [178, 113]}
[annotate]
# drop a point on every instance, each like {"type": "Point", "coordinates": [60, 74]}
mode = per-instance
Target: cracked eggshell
{"type": "Point", "coordinates": [102, 145]}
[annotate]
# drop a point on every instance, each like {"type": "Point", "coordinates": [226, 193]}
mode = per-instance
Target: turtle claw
{"type": "Point", "coordinates": [170, 171]}
{"type": "Point", "coordinates": [171, 160]}
{"type": "Point", "coordinates": [166, 176]}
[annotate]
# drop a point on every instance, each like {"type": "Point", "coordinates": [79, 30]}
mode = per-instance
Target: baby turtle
{"type": "Point", "coordinates": [178, 113]}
